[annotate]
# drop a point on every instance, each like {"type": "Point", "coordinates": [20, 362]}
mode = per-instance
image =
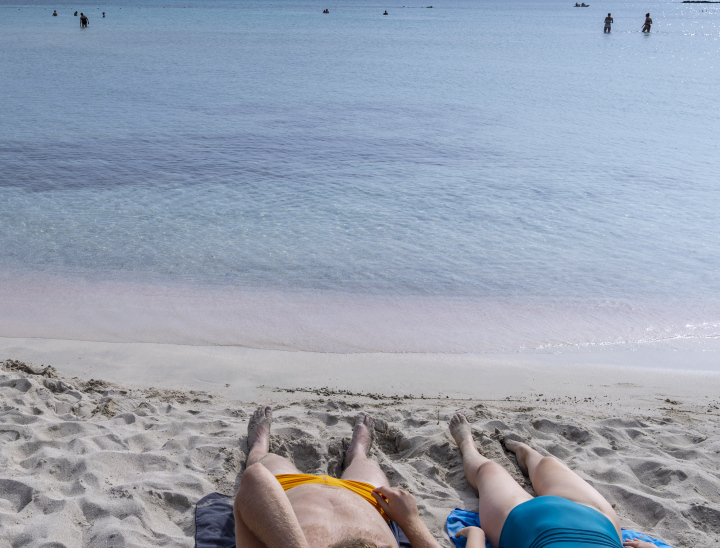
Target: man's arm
{"type": "Point", "coordinates": [263, 510]}
{"type": "Point", "coordinates": [400, 506]}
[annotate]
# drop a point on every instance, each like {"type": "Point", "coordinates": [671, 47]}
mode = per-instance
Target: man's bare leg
{"type": "Point", "coordinates": [550, 477]}
{"type": "Point", "coordinates": [358, 467]}
{"type": "Point", "coordinates": [498, 492]}
{"type": "Point", "coordinates": [259, 444]}
{"type": "Point", "coordinates": [264, 517]}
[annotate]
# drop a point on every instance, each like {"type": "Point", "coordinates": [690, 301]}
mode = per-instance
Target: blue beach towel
{"type": "Point", "coordinates": [215, 524]}
{"type": "Point", "coordinates": [459, 519]}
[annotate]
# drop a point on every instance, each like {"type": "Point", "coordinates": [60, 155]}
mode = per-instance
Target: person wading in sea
{"type": "Point", "coordinates": [608, 23]}
{"type": "Point", "coordinates": [83, 21]}
{"type": "Point", "coordinates": [648, 23]}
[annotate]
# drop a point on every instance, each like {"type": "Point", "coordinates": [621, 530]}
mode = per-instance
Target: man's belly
{"type": "Point", "coordinates": [329, 514]}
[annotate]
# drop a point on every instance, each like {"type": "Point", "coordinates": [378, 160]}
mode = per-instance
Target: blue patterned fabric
{"type": "Point", "coordinates": [632, 535]}
{"type": "Point", "coordinates": [458, 519]}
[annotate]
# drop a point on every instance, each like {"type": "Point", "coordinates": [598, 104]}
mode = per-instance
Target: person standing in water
{"type": "Point", "coordinates": [54, 13]}
{"type": "Point", "coordinates": [648, 22]}
{"type": "Point", "coordinates": [608, 23]}
{"type": "Point", "coordinates": [83, 21]}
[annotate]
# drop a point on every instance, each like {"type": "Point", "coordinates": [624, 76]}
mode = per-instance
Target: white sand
{"type": "Point", "coordinates": [86, 463]}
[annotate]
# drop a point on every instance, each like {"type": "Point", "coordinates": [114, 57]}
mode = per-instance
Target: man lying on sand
{"type": "Point", "coordinates": [567, 512]}
{"type": "Point", "coordinates": [279, 507]}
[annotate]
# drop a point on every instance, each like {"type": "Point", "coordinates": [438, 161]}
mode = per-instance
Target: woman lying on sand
{"type": "Point", "coordinates": [568, 512]}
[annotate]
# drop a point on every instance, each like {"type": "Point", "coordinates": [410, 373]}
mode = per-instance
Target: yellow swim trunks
{"type": "Point", "coordinates": [288, 481]}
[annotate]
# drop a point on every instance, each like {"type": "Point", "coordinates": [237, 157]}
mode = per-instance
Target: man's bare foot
{"type": "Point", "coordinates": [515, 444]}
{"type": "Point", "coordinates": [460, 430]}
{"type": "Point", "coordinates": [259, 430]}
{"type": "Point", "coordinates": [361, 439]}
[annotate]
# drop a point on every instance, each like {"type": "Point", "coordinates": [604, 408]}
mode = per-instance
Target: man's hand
{"type": "Point", "coordinates": [474, 535]}
{"type": "Point", "coordinates": [400, 506]}
{"type": "Point", "coordinates": [635, 543]}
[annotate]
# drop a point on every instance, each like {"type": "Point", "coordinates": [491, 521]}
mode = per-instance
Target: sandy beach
{"type": "Point", "coordinates": [96, 462]}
{"type": "Point", "coordinates": [493, 208]}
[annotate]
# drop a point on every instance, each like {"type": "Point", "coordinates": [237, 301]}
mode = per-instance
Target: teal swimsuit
{"type": "Point", "coordinates": [554, 522]}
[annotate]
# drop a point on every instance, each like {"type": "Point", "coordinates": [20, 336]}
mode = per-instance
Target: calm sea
{"type": "Point", "coordinates": [486, 176]}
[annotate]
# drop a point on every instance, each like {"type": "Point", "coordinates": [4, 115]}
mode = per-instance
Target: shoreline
{"type": "Point", "coordinates": [92, 462]}
{"type": "Point", "coordinates": [245, 373]}
{"type": "Point", "coordinates": [61, 307]}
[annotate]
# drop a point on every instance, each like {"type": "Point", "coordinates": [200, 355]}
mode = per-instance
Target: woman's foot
{"type": "Point", "coordinates": [516, 445]}
{"type": "Point", "coordinates": [361, 439]}
{"type": "Point", "coordinates": [259, 430]}
{"type": "Point", "coordinates": [461, 431]}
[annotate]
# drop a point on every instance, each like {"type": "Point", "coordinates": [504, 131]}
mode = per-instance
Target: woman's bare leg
{"type": "Point", "coordinates": [259, 444]}
{"type": "Point", "coordinates": [498, 492]}
{"type": "Point", "coordinates": [550, 477]}
{"type": "Point", "coordinates": [358, 467]}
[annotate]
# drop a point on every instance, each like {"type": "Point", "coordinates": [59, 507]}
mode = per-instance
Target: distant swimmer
{"type": "Point", "coordinates": [75, 14]}
{"type": "Point", "coordinates": [386, 13]}
{"type": "Point", "coordinates": [103, 15]}
{"type": "Point", "coordinates": [648, 23]}
{"type": "Point", "coordinates": [608, 23]}
{"type": "Point", "coordinates": [54, 13]}
{"type": "Point", "coordinates": [83, 20]}
{"type": "Point", "coordinates": [326, 10]}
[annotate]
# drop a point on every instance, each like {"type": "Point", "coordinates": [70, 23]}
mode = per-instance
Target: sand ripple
{"type": "Point", "coordinates": [86, 463]}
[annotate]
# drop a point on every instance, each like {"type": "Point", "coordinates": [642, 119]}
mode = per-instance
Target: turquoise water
{"type": "Point", "coordinates": [492, 176]}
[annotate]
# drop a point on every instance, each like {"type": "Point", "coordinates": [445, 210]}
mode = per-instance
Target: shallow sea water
{"type": "Point", "coordinates": [476, 177]}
